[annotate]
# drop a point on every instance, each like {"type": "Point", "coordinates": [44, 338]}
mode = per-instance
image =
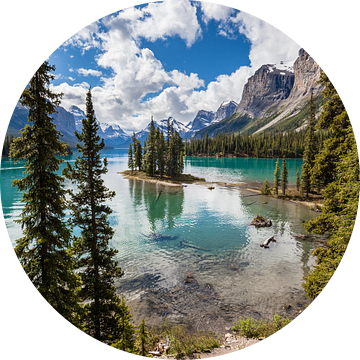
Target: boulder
{"type": "Point", "coordinates": [260, 221]}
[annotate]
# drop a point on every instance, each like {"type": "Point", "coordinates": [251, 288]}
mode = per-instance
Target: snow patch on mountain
{"type": "Point", "coordinates": [281, 67]}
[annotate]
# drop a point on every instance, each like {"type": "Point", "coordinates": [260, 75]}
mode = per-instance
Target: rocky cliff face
{"type": "Point", "coordinates": [65, 122]}
{"type": "Point", "coordinates": [277, 94]}
{"type": "Point", "coordinates": [267, 87]}
{"type": "Point", "coordinates": [306, 77]}
{"type": "Point", "coordinates": [203, 118]}
{"type": "Point", "coordinates": [226, 109]}
{"type": "Point", "coordinates": [307, 74]}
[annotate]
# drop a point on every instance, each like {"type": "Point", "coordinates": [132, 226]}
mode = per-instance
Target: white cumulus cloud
{"type": "Point", "coordinates": [140, 87]}
{"type": "Point", "coordinates": [86, 72]}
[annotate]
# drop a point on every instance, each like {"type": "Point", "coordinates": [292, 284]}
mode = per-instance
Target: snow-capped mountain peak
{"type": "Point", "coordinates": [111, 133]}
{"type": "Point", "coordinates": [282, 66]}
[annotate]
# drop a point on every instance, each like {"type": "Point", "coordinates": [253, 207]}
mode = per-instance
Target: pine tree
{"type": "Point", "coordinates": [309, 151]}
{"type": "Point", "coordinates": [284, 178]}
{"type": "Point", "coordinates": [124, 330]}
{"type": "Point", "coordinates": [45, 249]}
{"type": "Point", "coordinates": [150, 158]}
{"type": "Point", "coordinates": [142, 338]}
{"type": "Point", "coordinates": [338, 164]}
{"type": "Point", "coordinates": [335, 120]}
{"type": "Point", "coordinates": [137, 152]}
{"type": "Point", "coordinates": [161, 152]}
{"type": "Point", "coordinates": [130, 159]}
{"type": "Point", "coordinates": [337, 218]}
{"type": "Point", "coordinates": [97, 265]}
{"type": "Point", "coordinates": [277, 177]}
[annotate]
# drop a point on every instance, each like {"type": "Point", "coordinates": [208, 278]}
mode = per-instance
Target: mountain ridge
{"type": "Point", "coordinates": [276, 96]}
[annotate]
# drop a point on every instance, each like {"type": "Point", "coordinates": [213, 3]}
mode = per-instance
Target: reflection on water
{"type": "Point", "coordinates": [189, 253]}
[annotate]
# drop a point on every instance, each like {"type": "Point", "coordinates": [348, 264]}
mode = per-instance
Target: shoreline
{"type": "Point", "coordinates": [314, 202]}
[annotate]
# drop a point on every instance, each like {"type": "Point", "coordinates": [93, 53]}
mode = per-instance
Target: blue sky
{"type": "Point", "coordinates": [163, 59]}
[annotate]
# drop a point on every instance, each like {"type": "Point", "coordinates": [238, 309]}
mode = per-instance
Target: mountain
{"type": "Point", "coordinates": [205, 118]}
{"type": "Point", "coordinates": [266, 88]}
{"type": "Point", "coordinates": [177, 125]}
{"type": "Point", "coordinates": [276, 96]}
{"type": "Point", "coordinates": [226, 109]}
{"type": "Point", "coordinates": [113, 135]}
{"type": "Point", "coordinates": [78, 116]}
{"type": "Point", "coordinates": [64, 121]}
{"type": "Point", "coordinates": [67, 122]}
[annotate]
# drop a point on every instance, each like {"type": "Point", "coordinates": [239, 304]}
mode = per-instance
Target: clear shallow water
{"type": "Point", "coordinates": [189, 253]}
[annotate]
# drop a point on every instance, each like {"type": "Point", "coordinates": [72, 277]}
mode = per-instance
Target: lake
{"type": "Point", "coordinates": [188, 253]}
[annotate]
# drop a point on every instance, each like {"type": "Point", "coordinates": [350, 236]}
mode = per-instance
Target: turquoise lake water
{"type": "Point", "coordinates": [188, 253]}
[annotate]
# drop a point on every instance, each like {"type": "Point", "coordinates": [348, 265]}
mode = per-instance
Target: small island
{"type": "Point", "coordinates": [164, 180]}
{"type": "Point", "coordinates": [160, 159]}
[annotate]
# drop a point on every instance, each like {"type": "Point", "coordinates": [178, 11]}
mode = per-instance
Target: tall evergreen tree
{"type": "Point", "coordinates": [130, 158]}
{"type": "Point", "coordinates": [124, 330]}
{"type": "Point", "coordinates": [97, 265]}
{"type": "Point", "coordinates": [337, 218]}
{"type": "Point", "coordinates": [138, 154]}
{"type": "Point", "coordinates": [341, 193]}
{"type": "Point", "coordinates": [161, 152]}
{"type": "Point", "coordinates": [277, 177]}
{"type": "Point", "coordinates": [45, 250]}
{"type": "Point", "coordinates": [142, 338]}
{"type": "Point", "coordinates": [284, 176]}
{"type": "Point", "coordinates": [150, 158]}
{"type": "Point", "coordinates": [309, 151]}
{"type": "Point", "coordinates": [335, 120]}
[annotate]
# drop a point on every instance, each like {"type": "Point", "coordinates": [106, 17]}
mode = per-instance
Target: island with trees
{"type": "Point", "coordinates": [160, 159]}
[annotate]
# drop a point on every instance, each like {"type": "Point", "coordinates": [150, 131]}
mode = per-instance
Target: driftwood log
{"type": "Point", "coordinates": [185, 244]}
{"type": "Point", "coordinates": [267, 242]}
{"type": "Point", "coordinates": [300, 236]}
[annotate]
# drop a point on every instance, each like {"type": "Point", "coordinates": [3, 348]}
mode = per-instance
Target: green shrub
{"type": "Point", "coordinates": [252, 328]}
{"type": "Point", "coordinates": [265, 189]}
{"type": "Point", "coordinates": [181, 341]}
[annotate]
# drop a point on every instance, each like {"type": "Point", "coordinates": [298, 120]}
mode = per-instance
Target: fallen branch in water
{"type": "Point", "coordinates": [267, 242]}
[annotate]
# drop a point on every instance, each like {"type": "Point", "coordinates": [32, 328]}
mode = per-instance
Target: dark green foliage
{"type": "Point", "coordinates": [277, 177]}
{"type": "Point", "coordinates": [270, 144]}
{"type": "Point", "coordinates": [97, 265]}
{"type": "Point", "coordinates": [137, 152]}
{"type": "Point", "coordinates": [131, 158]}
{"type": "Point", "coordinates": [284, 176]}
{"type": "Point", "coordinates": [309, 151]}
{"type": "Point", "coordinates": [151, 151]}
{"type": "Point", "coordinates": [335, 120]}
{"type": "Point", "coordinates": [45, 249]}
{"type": "Point", "coordinates": [160, 157]}
{"type": "Point", "coordinates": [161, 152]}
{"type": "Point", "coordinates": [142, 339]}
{"type": "Point", "coordinates": [124, 331]}
{"type": "Point", "coordinates": [341, 192]}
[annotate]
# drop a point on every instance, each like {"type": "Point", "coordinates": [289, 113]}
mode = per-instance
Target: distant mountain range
{"type": "Point", "coordinates": [276, 96]}
{"type": "Point", "coordinates": [69, 121]}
